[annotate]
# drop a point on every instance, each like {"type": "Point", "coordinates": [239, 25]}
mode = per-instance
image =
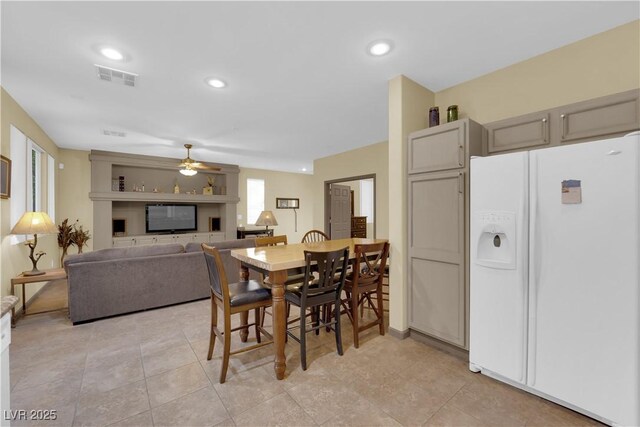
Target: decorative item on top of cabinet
{"type": "Point", "coordinates": [434, 116]}
{"type": "Point", "coordinates": [452, 113]}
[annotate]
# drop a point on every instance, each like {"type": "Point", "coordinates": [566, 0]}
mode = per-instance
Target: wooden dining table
{"type": "Point", "coordinates": [276, 261]}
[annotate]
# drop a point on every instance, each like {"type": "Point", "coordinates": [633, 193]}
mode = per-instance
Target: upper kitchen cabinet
{"type": "Point", "coordinates": [599, 118]}
{"type": "Point", "coordinates": [531, 130]}
{"type": "Point", "coordinates": [443, 147]}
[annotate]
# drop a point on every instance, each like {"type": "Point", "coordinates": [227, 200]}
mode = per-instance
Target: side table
{"type": "Point", "coordinates": [21, 279]}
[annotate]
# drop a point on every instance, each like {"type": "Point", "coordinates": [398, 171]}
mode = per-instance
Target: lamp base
{"type": "Point", "coordinates": [33, 272]}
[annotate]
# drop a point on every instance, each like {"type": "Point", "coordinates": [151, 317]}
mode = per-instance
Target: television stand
{"type": "Point", "coordinates": [242, 233]}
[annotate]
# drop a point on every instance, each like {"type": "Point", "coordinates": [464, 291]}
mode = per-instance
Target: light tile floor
{"type": "Point", "coordinates": [150, 368]}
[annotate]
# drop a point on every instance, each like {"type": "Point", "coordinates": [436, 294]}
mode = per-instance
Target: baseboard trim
{"type": "Point", "coordinates": [440, 345]}
{"type": "Point", "coordinates": [398, 334]}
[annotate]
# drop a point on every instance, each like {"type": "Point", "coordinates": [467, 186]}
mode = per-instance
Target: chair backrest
{"type": "Point", "coordinates": [314, 236]}
{"type": "Point", "coordinates": [327, 265]}
{"type": "Point", "coordinates": [217, 275]}
{"type": "Point", "coordinates": [370, 263]}
{"type": "Point", "coordinates": [271, 240]}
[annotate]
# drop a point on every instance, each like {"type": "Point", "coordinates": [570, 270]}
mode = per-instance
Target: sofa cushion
{"type": "Point", "coordinates": [124, 253]}
{"type": "Point", "coordinates": [229, 244]}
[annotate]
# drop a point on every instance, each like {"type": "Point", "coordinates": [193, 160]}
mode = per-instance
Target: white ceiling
{"type": "Point", "coordinates": [301, 86]}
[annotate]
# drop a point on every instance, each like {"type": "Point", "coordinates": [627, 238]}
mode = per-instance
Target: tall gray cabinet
{"type": "Point", "coordinates": [438, 246]}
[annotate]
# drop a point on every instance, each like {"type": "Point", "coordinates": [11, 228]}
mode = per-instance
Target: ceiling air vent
{"type": "Point", "coordinates": [116, 76]}
{"type": "Point", "coordinates": [114, 133]}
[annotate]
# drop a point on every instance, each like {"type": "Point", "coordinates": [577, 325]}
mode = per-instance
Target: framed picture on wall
{"type": "Point", "coordinates": [5, 177]}
{"type": "Point", "coordinates": [283, 203]}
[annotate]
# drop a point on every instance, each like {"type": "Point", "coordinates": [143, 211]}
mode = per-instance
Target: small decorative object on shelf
{"type": "Point", "coordinates": [434, 116]}
{"type": "Point", "coordinates": [115, 184]}
{"type": "Point", "coordinates": [208, 190]}
{"type": "Point", "coordinates": [176, 188]}
{"type": "Point", "coordinates": [155, 190]}
{"type": "Point", "coordinates": [142, 186]}
{"type": "Point", "coordinates": [452, 113]}
{"type": "Point", "coordinates": [121, 183]}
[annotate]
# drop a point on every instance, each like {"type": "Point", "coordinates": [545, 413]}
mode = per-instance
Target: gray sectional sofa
{"type": "Point", "coordinates": [115, 281]}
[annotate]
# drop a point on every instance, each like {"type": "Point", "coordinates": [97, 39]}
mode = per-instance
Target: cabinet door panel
{"type": "Point", "coordinates": [521, 132]}
{"type": "Point", "coordinates": [600, 117]}
{"type": "Point", "coordinates": [440, 149]}
{"type": "Point", "coordinates": [437, 255]}
{"type": "Point", "coordinates": [436, 215]}
{"type": "Point", "coordinates": [437, 299]}
{"type": "Point", "coordinates": [124, 242]}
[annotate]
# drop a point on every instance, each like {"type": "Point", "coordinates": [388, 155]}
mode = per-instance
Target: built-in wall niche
{"type": "Point", "coordinates": [134, 215]}
{"type": "Point", "coordinates": [164, 180]}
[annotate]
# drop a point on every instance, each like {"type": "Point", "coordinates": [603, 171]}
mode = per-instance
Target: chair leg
{"type": "Point", "coordinates": [214, 324]}
{"type": "Point", "coordinates": [303, 338]}
{"type": "Point", "coordinates": [227, 348]}
{"type": "Point", "coordinates": [263, 312]}
{"type": "Point", "coordinates": [338, 327]}
{"type": "Point", "coordinates": [258, 324]}
{"type": "Point", "coordinates": [354, 318]}
{"type": "Point", "coordinates": [315, 315]}
{"type": "Point", "coordinates": [380, 311]}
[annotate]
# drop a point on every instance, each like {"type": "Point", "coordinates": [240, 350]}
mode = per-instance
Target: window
{"type": "Point", "coordinates": [255, 199]}
{"type": "Point", "coordinates": [51, 188]}
{"type": "Point", "coordinates": [366, 199]}
{"type": "Point", "coordinates": [34, 176]}
{"type": "Point", "coordinates": [30, 182]}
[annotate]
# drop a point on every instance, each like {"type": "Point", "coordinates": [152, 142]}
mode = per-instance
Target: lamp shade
{"type": "Point", "coordinates": [266, 218]}
{"type": "Point", "coordinates": [34, 223]}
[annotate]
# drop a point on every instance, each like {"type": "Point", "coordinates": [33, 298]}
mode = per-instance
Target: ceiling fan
{"type": "Point", "coordinates": [190, 167]}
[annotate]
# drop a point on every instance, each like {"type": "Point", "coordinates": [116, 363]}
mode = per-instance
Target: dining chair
{"type": "Point", "coordinates": [365, 279]}
{"type": "Point", "coordinates": [318, 290]}
{"type": "Point", "coordinates": [233, 298]}
{"type": "Point", "coordinates": [314, 236]}
{"type": "Point", "coordinates": [293, 279]}
{"type": "Point", "coordinates": [271, 240]}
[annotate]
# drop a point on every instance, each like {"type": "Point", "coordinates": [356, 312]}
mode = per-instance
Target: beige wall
{"type": "Point", "coordinates": [372, 159]}
{"type": "Point", "coordinates": [284, 185]}
{"type": "Point", "coordinates": [604, 64]}
{"type": "Point", "coordinates": [74, 185]}
{"type": "Point", "coordinates": [15, 258]}
{"type": "Point", "coordinates": [600, 65]}
{"type": "Point", "coordinates": [408, 106]}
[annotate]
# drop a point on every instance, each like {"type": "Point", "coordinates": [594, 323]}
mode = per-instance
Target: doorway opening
{"type": "Point", "coordinates": [359, 212]}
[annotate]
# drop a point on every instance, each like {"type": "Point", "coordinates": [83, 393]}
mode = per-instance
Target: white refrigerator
{"type": "Point", "coordinates": [555, 282]}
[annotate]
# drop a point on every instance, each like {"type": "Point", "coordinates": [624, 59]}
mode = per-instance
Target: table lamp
{"type": "Point", "coordinates": [266, 218]}
{"type": "Point", "coordinates": [34, 223]}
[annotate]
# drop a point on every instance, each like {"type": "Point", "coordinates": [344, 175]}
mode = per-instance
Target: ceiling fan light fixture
{"type": "Point", "coordinates": [187, 171]}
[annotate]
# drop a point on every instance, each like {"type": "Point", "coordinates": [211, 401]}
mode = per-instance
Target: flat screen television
{"type": "Point", "coordinates": [168, 218]}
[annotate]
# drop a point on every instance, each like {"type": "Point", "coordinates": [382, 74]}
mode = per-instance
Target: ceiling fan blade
{"type": "Point", "coordinates": [205, 167]}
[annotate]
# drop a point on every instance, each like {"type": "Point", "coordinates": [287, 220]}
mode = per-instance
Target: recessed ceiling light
{"type": "Point", "coordinates": [304, 169]}
{"type": "Point", "coordinates": [379, 47]}
{"type": "Point", "coordinates": [112, 54]}
{"type": "Point", "coordinates": [216, 83]}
